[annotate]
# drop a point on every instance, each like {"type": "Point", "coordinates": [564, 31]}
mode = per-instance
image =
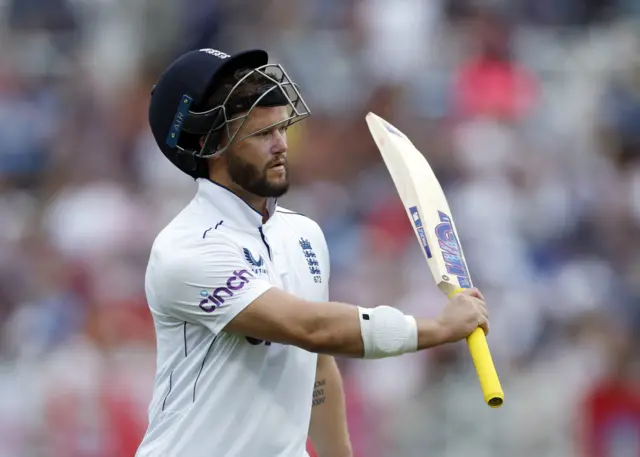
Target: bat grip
{"type": "Point", "coordinates": [481, 355]}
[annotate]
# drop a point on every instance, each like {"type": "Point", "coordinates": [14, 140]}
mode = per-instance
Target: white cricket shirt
{"type": "Point", "coordinates": [218, 394]}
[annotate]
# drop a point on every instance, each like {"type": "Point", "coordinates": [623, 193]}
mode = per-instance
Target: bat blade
{"type": "Point", "coordinates": [425, 204]}
{"type": "Point", "coordinates": [428, 211]}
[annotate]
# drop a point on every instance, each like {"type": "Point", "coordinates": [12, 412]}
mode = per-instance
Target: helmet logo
{"type": "Point", "coordinates": [178, 121]}
{"type": "Point", "coordinates": [215, 53]}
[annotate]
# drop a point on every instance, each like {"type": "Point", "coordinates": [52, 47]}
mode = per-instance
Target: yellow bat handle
{"type": "Point", "coordinates": [479, 349]}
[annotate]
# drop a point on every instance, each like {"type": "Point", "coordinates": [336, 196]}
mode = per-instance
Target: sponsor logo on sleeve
{"type": "Point", "coordinates": [233, 284]}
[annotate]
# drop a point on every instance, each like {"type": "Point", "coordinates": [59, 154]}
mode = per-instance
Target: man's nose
{"type": "Point", "coordinates": [280, 142]}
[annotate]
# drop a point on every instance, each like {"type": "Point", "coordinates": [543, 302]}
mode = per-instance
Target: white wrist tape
{"type": "Point", "coordinates": [387, 332]}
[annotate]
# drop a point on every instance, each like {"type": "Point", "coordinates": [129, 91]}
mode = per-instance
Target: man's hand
{"type": "Point", "coordinates": [465, 312]}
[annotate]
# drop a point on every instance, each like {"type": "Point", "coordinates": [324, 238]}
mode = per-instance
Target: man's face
{"type": "Point", "coordinates": [258, 163]}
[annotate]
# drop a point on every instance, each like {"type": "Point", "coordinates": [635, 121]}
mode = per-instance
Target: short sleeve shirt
{"type": "Point", "coordinates": [217, 393]}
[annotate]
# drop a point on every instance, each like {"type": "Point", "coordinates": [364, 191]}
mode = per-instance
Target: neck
{"type": "Point", "coordinates": [254, 201]}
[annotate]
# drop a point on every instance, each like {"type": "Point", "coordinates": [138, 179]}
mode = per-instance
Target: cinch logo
{"type": "Point", "coordinates": [217, 297]}
{"type": "Point", "coordinates": [451, 252]}
{"type": "Point", "coordinates": [216, 53]}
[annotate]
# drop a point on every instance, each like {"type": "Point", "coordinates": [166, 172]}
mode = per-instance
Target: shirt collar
{"type": "Point", "coordinates": [232, 209]}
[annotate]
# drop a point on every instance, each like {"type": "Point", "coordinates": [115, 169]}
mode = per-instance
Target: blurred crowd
{"type": "Point", "coordinates": [529, 113]}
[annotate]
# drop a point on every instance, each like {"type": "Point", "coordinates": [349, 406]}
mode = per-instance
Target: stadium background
{"type": "Point", "coordinates": [529, 111]}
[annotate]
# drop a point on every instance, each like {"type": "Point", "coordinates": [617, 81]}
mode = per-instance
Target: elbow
{"type": "Point", "coordinates": [319, 341]}
{"type": "Point", "coordinates": [333, 340]}
{"type": "Point", "coordinates": [315, 335]}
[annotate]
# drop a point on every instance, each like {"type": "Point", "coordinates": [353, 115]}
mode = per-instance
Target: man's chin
{"type": "Point", "coordinates": [278, 189]}
{"type": "Point", "coordinates": [271, 188]}
{"type": "Point", "coordinates": [278, 181]}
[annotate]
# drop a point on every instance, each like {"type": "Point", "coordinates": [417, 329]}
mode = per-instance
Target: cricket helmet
{"type": "Point", "coordinates": [188, 129]}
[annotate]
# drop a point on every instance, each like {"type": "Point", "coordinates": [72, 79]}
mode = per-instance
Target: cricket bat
{"type": "Point", "coordinates": [432, 222]}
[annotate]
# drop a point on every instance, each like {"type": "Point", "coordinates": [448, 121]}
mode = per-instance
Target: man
{"type": "Point", "coordinates": [238, 287]}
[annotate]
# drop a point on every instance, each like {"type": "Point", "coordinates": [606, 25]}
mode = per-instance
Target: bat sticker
{"type": "Point", "coordinates": [451, 251]}
{"type": "Point", "coordinates": [417, 221]}
{"type": "Point", "coordinates": [394, 130]}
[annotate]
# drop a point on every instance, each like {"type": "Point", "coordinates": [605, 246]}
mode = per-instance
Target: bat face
{"type": "Point", "coordinates": [425, 203]}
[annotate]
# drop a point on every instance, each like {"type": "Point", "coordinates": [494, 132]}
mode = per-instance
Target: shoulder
{"type": "Point", "coordinates": [299, 220]}
{"type": "Point", "coordinates": [179, 265]}
{"type": "Point", "coordinates": [184, 250]}
{"type": "Point", "coordinates": [192, 229]}
{"type": "Point", "coordinates": [186, 225]}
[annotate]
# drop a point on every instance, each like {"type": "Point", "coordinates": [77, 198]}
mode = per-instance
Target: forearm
{"type": "Point", "coordinates": [333, 328]}
{"type": "Point", "coordinates": [328, 428]}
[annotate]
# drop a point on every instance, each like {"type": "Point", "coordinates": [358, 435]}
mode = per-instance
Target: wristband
{"type": "Point", "coordinates": [387, 332]}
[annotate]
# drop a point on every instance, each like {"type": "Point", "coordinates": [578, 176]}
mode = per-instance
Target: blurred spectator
{"type": "Point", "coordinates": [620, 121]}
{"type": "Point", "coordinates": [492, 83]}
{"type": "Point", "coordinates": [37, 15]}
{"type": "Point", "coordinates": [609, 417]}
